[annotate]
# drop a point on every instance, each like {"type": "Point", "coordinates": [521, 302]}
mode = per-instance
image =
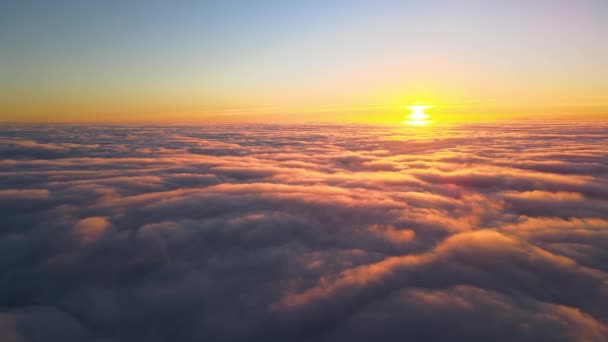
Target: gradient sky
{"type": "Point", "coordinates": [123, 61]}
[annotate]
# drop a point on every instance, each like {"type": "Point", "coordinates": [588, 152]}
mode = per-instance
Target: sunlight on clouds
{"type": "Point", "coordinates": [318, 226]}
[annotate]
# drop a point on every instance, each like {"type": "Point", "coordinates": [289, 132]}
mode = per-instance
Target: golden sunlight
{"type": "Point", "coordinates": [417, 117]}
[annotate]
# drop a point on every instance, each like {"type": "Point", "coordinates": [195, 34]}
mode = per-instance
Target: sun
{"type": "Point", "coordinates": [417, 117]}
{"type": "Point", "coordinates": [418, 112]}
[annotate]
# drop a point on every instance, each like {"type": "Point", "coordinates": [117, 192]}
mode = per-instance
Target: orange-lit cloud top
{"type": "Point", "coordinates": [314, 61]}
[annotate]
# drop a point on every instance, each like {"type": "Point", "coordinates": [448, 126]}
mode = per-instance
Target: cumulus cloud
{"type": "Point", "coordinates": [90, 229]}
{"type": "Point", "coordinates": [304, 233]}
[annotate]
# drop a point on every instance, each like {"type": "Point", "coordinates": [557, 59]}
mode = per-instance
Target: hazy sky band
{"type": "Point", "coordinates": [308, 60]}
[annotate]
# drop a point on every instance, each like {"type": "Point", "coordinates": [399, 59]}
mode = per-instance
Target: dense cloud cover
{"type": "Point", "coordinates": [304, 233]}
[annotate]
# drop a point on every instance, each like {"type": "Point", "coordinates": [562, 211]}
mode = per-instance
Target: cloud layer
{"type": "Point", "coordinates": [304, 233]}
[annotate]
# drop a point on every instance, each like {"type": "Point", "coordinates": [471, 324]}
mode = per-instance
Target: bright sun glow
{"type": "Point", "coordinates": [417, 117]}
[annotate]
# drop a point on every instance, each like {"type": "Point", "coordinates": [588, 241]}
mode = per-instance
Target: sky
{"type": "Point", "coordinates": [286, 61]}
